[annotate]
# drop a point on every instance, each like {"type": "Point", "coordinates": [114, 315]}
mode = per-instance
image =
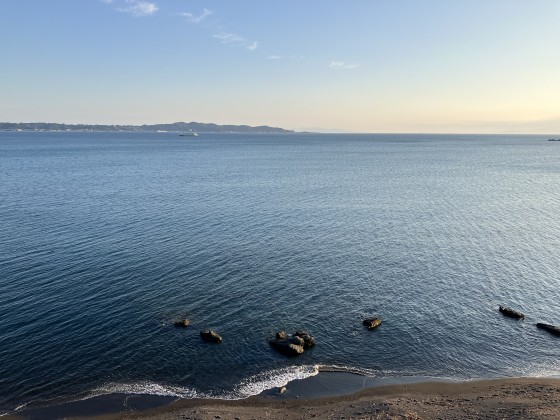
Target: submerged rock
{"type": "Point", "coordinates": [552, 329]}
{"type": "Point", "coordinates": [372, 323]}
{"type": "Point", "coordinates": [286, 347]}
{"type": "Point", "coordinates": [511, 313]}
{"type": "Point", "coordinates": [210, 336]}
{"type": "Point", "coordinates": [183, 323]}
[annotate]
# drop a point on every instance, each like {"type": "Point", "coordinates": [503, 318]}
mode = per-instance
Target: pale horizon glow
{"type": "Point", "coordinates": [477, 66]}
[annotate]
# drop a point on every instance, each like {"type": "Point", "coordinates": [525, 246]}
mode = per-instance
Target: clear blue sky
{"type": "Point", "coordinates": [361, 66]}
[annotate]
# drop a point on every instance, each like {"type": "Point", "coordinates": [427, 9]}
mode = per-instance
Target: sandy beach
{"type": "Point", "coordinates": [534, 398]}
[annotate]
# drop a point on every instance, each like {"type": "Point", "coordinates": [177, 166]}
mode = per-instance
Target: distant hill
{"type": "Point", "coordinates": [174, 127]}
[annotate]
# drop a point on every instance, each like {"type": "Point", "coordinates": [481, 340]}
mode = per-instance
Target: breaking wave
{"type": "Point", "coordinates": [150, 388]}
{"type": "Point", "coordinates": [256, 384]}
{"type": "Point", "coordinates": [252, 385]}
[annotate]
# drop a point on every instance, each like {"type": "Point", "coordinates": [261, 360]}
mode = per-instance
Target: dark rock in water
{"type": "Point", "coordinates": [372, 323]}
{"type": "Point", "coordinates": [553, 329]}
{"type": "Point", "coordinates": [210, 336]}
{"type": "Point", "coordinates": [286, 347]}
{"type": "Point", "coordinates": [511, 313]}
{"type": "Point", "coordinates": [183, 323]}
{"type": "Point", "coordinates": [308, 340]}
{"type": "Point", "coordinates": [281, 335]}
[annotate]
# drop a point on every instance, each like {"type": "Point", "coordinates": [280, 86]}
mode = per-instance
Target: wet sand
{"type": "Point", "coordinates": [535, 398]}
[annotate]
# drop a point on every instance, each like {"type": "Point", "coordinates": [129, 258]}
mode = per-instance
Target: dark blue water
{"type": "Point", "coordinates": [107, 238]}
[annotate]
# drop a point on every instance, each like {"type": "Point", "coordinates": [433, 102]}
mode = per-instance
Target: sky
{"type": "Point", "coordinates": [439, 66]}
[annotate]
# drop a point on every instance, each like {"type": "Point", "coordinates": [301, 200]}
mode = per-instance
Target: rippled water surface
{"type": "Point", "coordinates": [107, 238]}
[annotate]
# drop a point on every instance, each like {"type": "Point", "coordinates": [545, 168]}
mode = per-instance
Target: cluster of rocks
{"type": "Point", "coordinates": [292, 345]}
{"type": "Point", "coordinates": [287, 344]}
{"type": "Point", "coordinates": [511, 313]}
{"type": "Point", "coordinates": [295, 344]}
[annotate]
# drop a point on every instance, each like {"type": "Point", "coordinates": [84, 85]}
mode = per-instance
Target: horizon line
{"type": "Point", "coordinates": [294, 131]}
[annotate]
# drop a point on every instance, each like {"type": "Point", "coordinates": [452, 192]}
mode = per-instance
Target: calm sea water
{"type": "Point", "coordinates": [107, 238]}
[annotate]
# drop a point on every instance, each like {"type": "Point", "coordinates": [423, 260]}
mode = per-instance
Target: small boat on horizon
{"type": "Point", "coordinates": [189, 134]}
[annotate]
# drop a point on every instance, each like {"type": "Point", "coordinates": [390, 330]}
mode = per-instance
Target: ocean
{"type": "Point", "coordinates": [106, 239]}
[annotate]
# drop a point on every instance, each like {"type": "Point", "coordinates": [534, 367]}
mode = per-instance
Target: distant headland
{"type": "Point", "coordinates": [173, 127]}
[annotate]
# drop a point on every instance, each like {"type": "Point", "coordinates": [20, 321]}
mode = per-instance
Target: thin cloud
{"type": "Point", "coordinates": [237, 40]}
{"type": "Point", "coordinates": [229, 38]}
{"type": "Point", "coordinates": [342, 65]}
{"type": "Point", "coordinates": [284, 57]}
{"type": "Point", "coordinates": [136, 8]}
{"type": "Point", "coordinates": [197, 19]}
{"type": "Point", "coordinates": [223, 37]}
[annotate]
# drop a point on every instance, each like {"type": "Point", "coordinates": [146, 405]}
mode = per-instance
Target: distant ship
{"type": "Point", "coordinates": [189, 134]}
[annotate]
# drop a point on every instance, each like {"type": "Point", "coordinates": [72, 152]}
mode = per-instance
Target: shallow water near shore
{"type": "Point", "coordinates": [323, 385]}
{"type": "Point", "coordinates": [107, 238]}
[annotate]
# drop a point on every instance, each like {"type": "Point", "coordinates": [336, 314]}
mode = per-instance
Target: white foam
{"type": "Point", "coordinates": [137, 388]}
{"type": "Point", "coordinates": [348, 369]}
{"type": "Point", "coordinates": [276, 378]}
{"type": "Point", "coordinates": [535, 370]}
{"type": "Point", "coordinates": [253, 385]}
{"type": "Point", "coordinates": [256, 384]}
{"type": "Point", "coordinates": [149, 388]}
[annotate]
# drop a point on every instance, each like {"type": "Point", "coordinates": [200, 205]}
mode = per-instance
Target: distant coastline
{"type": "Point", "coordinates": [176, 127]}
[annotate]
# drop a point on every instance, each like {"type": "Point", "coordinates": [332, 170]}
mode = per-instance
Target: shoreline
{"type": "Point", "coordinates": [336, 394]}
{"type": "Point", "coordinates": [487, 399]}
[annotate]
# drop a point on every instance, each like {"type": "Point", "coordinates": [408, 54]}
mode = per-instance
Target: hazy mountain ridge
{"type": "Point", "coordinates": [173, 127]}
